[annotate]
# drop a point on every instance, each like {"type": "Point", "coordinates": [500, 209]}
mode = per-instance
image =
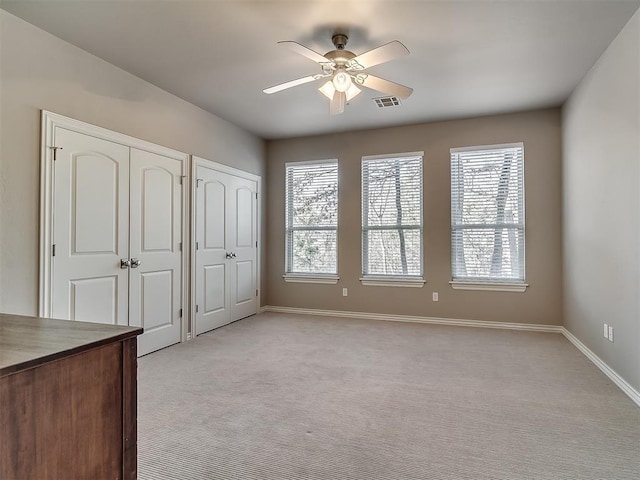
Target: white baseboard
{"type": "Point", "coordinates": [631, 392]}
{"type": "Point", "coordinates": [408, 318]}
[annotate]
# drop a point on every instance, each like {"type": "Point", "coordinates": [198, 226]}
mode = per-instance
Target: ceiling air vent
{"type": "Point", "coordinates": [384, 102]}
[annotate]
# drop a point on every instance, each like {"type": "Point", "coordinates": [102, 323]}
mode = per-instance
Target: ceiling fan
{"type": "Point", "coordinates": [346, 70]}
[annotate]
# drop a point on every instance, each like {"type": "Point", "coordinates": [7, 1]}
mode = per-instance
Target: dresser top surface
{"type": "Point", "coordinates": [26, 342]}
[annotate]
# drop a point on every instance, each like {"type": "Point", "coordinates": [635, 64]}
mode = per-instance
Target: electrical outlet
{"type": "Point", "coordinates": [605, 331]}
{"type": "Point", "coordinates": [434, 295]}
{"type": "Point", "coordinates": [345, 292]}
{"type": "Point", "coordinates": [610, 333]}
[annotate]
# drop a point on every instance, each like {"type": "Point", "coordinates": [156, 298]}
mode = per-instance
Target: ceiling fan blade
{"type": "Point", "coordinates": [292, 83]}
{"type": "Point", "coordinates": [304, 51]}
{"type": "Point", "coordinates": [337, 103]}
{"type": "Point", "coordinates": [384, 86]}
{"type": "Point", "coordinates": [382, 54]}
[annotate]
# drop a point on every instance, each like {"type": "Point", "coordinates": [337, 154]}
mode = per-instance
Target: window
{"type": "Point", "coordinates": [487, 217]}
{"type": "Point", "coordinates": [311, 221]}
{"type": "Point", "coordinates": [392, 220]}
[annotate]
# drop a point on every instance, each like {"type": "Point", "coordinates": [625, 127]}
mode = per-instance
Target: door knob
{"type": "Point", "coordinates": [229, 255]}
{"type": "Point", "coordinates": [124, 263]}
{"type": "Point", "coordinates": [135, 263]}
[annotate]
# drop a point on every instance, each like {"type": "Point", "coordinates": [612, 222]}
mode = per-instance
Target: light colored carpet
{"type": "Point", "coordinates": [278, 397]}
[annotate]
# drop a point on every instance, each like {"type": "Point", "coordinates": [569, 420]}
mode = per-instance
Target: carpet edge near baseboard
{"type": "Point", "coordinates": [620, 382]}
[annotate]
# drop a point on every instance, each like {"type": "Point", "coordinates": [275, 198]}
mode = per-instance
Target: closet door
{"type": "Point", "coordinates": [117, 224]}
{"type": "Point", "coordinates": [155, 244]}
{"type": "Point", "coordinates": [226, 250]}
{"type": "Point", "coordinates": [212, 269]}
{"type": "Point", "coordinates": [241, 239]}
{"type": "Point", "coordinates": [90, 229]}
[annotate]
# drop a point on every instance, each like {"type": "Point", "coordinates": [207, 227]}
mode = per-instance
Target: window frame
{"type": "Point", "coordinates": [306, 277]}
{"type": "Point", "coordinates": [367, 279]}
{"type": "Point", "coordinates": [488, 283]}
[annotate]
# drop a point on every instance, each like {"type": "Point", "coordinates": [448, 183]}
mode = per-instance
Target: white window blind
{"type": "Point", "coordinates": [487, 214]}
{"type": "Point", "coordinates": [311, 217]}
{"type": "Point", "coordinates": [392, 216]}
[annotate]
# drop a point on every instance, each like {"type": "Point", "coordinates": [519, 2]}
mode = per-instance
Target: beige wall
{"type": "Point", "coordinates": [542, 303]}
{"type": "Point", "coordinates": [601, 145]}
{"type": "Point", "coordinates": [39, 71]}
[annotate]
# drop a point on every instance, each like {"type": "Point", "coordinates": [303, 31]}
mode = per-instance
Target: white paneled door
{"type": "Point", "coordinates": [155, 275]}
{"type": "Point", "coordinates": [91, 230]}
{"type": "Point", "coordinates": [117, 234]}
{"type": "Point", "coordinates": [226, 248]}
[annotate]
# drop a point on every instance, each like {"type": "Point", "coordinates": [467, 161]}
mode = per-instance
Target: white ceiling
{"type": "Point", "coordinates": [467, 58]}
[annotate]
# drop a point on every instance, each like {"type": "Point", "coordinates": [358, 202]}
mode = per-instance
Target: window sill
{"type": "Point", "coordinates": [310, 278]}
{"type": "Point", "coordinates": [393, 282]}
{"type": "Point", "coordinates": [491, 287]}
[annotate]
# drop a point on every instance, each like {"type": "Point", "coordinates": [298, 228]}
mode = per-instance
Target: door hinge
{"type": "Point", "coordinates": [256, 293]}
{"type": "Point", "coordinates": [182, 177]}
{"type": "Point", "coordinates": [197, 246]}
{"type": "Point", "coordinates": [180, 246]}
{"type": "Point", "coordinates": [180, 313]}
{"type": "Point", "coordinates": [55, 152]}
{"type": "Point", "coordinates": [256, 244]}
{"type": "Point", "coordinates": [256, 195]}
{"type": "Point", "coordinates": [53, 250]}
{"type": "Point", "coordinates": [197, 308]}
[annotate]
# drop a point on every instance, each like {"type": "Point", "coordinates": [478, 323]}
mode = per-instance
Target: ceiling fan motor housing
{"type": "Point", "coordinates": [339, 57]}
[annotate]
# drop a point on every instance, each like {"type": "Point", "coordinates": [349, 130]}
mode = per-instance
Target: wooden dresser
{"type": "Point", "coordinates": [68, 395]}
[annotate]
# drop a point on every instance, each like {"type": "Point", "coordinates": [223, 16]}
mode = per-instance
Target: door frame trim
{"type": "Point", "coordinates": [203, 162]}
{"type": "Point", "coordinates": [49, 122]}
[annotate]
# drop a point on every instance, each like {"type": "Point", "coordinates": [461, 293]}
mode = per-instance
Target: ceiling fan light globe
{"type": "Point", "coordinates": [352, 92]}
{"type": "Point", "coordinates": [327, 90]}
{"type": "Point", "coordinates": [341, 81]}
